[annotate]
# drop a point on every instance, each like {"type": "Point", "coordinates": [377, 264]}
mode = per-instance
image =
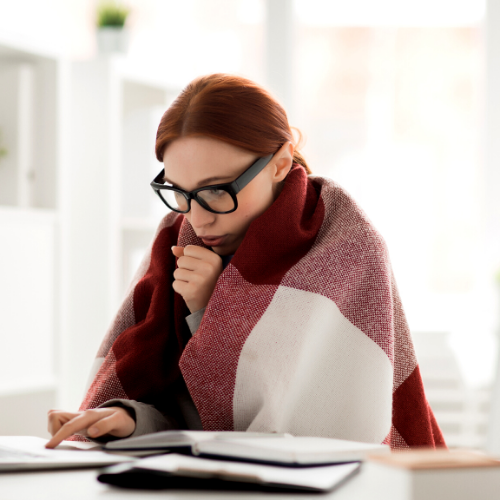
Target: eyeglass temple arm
{"type": "Point", "coordinates": [247, 176]}
{"type": "Point", "coordinates": [158, 178]}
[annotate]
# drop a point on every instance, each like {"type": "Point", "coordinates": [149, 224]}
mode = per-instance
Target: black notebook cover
{"type": "Point", "coordinates": [130, 476]}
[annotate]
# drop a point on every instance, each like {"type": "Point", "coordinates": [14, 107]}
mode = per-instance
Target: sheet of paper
{"type": "Point", "coordinates": [322, 478]}
{"type": "Point", "coordinates": [176, 438]}
{"type": "Point", "coordinates": [64, 453]}
{"type": "Point", "coordinates": [301, 450]}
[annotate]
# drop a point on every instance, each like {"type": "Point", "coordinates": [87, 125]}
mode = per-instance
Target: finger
{"type": "Point", "coordinates": [177, 285]}
{"type": "Point", "coordinates": [188, 263]}
{"type": "Point", "coordinates": [77, 424]}
{"type": "Point", "coordinates": [201, 253]}
{"type": "Point", "coordinates": [57, 418]}
{"type": "Point", "coordinates": [194, 264]}
{"type": "Point", "coordinates": [53, 413]}
{"type": "Point", "coordinates": [196, 256]}
{"type": "Point", "coordinates": [178, 251]}
{"type": "Point", "coordinates": [183, 288]}
{"type": "Point", "coordinates": [201, 269]}
{"type": "Point", "coordinates": [186, 275]}
{"type": "Point", "coordinates": [116, 424]}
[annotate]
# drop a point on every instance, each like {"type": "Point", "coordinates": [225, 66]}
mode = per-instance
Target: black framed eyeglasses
{"type": "Point", "coordinates": [217, 198]}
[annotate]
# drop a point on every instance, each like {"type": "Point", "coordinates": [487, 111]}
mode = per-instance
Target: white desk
{"type": "Point", "coordinates": [82, 484]}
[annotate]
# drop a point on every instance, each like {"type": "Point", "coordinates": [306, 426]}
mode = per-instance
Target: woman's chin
{"type": "Point", "coordinates": [228, 248]}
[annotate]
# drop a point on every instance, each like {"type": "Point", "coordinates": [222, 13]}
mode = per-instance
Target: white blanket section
{"type": "Point", "coordinates": [306, 370]}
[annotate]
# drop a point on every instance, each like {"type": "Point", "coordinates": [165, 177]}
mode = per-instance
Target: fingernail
{"type": "Point", "coordinates": [93, 431]}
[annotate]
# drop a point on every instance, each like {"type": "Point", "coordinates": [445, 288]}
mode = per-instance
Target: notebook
{"type": "Point", "coordinates": [255, 447]}
{"type": "Point", "coordinates": [174, 471]}
{"type": "Point", "coordinates": [175, 440]}
{"type": "Point", "coordinates": [29, 453]}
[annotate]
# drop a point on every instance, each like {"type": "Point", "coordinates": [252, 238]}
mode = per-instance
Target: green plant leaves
{"type": "Point", "coordinates": [111, 14]}
{"type": "Point", "coordinates": [3, 151]}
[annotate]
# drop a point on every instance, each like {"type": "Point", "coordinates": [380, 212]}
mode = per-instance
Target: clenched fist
{"type": "Point", "coordinates": [197, 273]}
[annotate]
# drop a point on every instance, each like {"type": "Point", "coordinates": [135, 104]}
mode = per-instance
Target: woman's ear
{"type": "Point", "coordinates": [283, 161]}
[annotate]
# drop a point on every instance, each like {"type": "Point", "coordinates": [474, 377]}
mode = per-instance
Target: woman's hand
{"type": "Point", "coordinates": [94, 423]}
{"type": "Point", "coordinates": [196, 275]}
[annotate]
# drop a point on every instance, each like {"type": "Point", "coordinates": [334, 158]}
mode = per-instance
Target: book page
{"type": "Point", "coordinates": [299, 450]}
{"type": "Point", "coordinates": [320, 478]}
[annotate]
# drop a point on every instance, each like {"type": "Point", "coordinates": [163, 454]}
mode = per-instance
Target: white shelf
{"type": "Point", "coordinates": [31, 118]}
{"type": "Point", "coordinates": [28, 387]}
{"type": "Point", "coordinates": [19, 214]}
{"type": "Point", "coordinates": [14, 46]}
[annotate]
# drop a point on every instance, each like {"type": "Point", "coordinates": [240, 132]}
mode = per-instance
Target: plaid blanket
{"type": "Point", "coordinates": [304, 332]}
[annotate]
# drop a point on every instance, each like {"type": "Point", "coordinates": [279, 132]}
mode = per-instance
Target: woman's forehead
{"type": "Point", "coordinates": [192, 162]}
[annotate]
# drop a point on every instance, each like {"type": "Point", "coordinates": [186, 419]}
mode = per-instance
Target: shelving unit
{"type": "Point", "coordinates": [115, 114]}
{"type": "Point", "coordinates": [32, 123]}
{"type": "Point", "coordinates": [76, 205]}
{"type": "Point", "coordinates": [30, 105]}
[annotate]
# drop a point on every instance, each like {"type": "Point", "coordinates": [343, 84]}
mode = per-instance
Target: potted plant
{"type": "Point", "coordinates": [3, 151]}
{"type": "Point", "coordinates": [112, 36]}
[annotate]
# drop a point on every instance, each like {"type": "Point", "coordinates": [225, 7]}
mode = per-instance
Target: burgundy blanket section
{"type": "Point", "coordinates": [283, 234]}
{"type": "Point", "coordinates": [412, 416]}
{"type": "Point", "coordinates": [148, 353]}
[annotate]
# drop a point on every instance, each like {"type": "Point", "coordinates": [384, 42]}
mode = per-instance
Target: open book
{"type": "Point", "coordinates": [254, 447]}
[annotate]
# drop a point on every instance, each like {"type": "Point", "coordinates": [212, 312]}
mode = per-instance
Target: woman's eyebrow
{"type": "Point", "coordinates": [204, 182]}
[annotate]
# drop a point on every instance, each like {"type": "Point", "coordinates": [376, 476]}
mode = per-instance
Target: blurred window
{"type": "Point", "coordinates": [390, 101]}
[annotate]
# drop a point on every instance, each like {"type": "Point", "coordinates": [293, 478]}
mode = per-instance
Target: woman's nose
{"type": "Point", "coordinates": [199, 217]}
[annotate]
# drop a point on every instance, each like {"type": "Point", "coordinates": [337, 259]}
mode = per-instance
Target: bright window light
{"type": "Point", "coordinates": [390, 12]}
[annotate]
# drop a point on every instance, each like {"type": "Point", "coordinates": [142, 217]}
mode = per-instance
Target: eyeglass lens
{"type": "Point", "coordinates": [217, 199]}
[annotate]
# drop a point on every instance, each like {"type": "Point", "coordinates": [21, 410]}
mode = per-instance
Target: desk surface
{"type": "Point", "coordinates": [82, 484]}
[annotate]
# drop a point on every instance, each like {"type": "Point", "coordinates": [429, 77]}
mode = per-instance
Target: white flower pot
{"type": "Point", "coordinates": [112, 40]}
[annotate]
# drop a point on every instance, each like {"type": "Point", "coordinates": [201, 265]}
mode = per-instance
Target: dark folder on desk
{"type": "Point", "coordinates": [174, 471]}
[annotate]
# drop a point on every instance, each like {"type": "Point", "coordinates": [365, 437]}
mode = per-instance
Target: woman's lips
{"type": "Point", "coordinates": [213, 241]}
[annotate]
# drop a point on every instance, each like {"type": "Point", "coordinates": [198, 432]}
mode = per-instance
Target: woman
{"type": "Point", "coordinates": [266, 302]}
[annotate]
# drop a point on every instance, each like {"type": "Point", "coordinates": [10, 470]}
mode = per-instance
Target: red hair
{"type": "Point", "coordinates": [229, 108]}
